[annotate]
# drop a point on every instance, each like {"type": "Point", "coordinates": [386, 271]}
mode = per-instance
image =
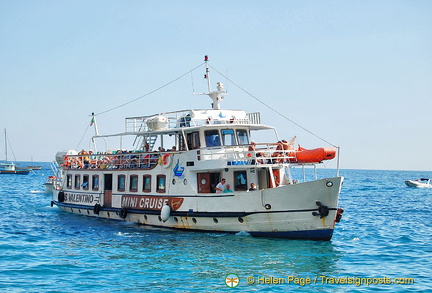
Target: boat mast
{"type": "Point", "coordinates": [207, 75]}
{"type": "Point", "coordinates": [93, 122]}
{"type": "Point", "coordinates": [216, 96]}
{"type": "Point", "coordinates": [5, 144]}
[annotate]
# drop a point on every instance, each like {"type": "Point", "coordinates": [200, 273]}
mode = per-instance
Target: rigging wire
{"type": "Point", "coordinates": [82, 137]}
{"type": "Point", "coordinates": [149, 93]}
{"type": "Point", "coordinates": [10, 146]}
{"type": "Point", "coordinates": [271, 108]}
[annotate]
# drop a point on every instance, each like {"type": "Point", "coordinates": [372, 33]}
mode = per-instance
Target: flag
{"type": "Point", "coordinates": [92, 121]}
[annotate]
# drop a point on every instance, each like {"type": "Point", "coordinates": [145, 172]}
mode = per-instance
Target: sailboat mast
{"type": "Point", "coordinates": [5, 144]}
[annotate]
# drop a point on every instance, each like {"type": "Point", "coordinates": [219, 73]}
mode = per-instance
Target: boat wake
{"type": "Point", "coordinates": [242, 233]}
{"type": "Point", "coordinates": [38, 191]}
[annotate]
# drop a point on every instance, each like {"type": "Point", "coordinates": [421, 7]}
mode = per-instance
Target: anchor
{"type": "Point", "coordinates": [323, 210]}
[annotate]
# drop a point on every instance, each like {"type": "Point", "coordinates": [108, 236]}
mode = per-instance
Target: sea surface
{"type": "Point", "coordinates": [382, 244]}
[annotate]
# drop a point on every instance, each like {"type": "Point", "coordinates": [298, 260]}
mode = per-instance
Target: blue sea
{"type": "Point", "coordinates": [382, 244]}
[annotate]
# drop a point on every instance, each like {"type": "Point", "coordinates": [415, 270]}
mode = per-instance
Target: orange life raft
{"type": "Point", "coordinates": [315, 155]}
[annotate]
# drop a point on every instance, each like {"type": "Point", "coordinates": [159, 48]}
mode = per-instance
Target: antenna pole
{"type": "Point", "coordinates": [216, 96]}
{"type": "Point", "coordinates": [207, 75]}
{"type": "Point", "coordinates": [93, 122]}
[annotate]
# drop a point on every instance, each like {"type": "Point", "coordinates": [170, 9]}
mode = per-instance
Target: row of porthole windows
{"type": "Point", "coordinates": [240, 219]}
{"type": "Point", "coordinates": [84, 182]}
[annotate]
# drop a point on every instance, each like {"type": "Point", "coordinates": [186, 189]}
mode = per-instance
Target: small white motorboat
{"type": "Point", "coordinates": [49, 184]}
{"type": "Point", "coordinates": [421, 183]}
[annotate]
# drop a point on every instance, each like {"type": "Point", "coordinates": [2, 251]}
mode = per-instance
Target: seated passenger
{"type": "Point", "coordinates": [252, 148]}
{"type": "Point", "coordinates": [227, 189]}
{"type": "Point", "coordinates": [278, 155]}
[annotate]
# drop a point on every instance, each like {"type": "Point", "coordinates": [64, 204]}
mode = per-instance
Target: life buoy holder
{"type": "Point", "coordinates": [166, 160]}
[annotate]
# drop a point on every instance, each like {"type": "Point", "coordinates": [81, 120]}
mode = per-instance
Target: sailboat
{"type": "Point", "coordinates": [33, 167]}
{"type": "Point", "coordinates": [10, 167]}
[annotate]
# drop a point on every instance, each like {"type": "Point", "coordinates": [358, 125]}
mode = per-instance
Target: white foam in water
{"type": "Point", "coordinates": [242, 233]}
{"type": "Point", "coordinates": [37, 191]}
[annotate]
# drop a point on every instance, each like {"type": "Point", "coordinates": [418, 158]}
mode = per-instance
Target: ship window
{"type": "Point", "coordinates": [133, 186]}
{"type": "Point", "coordinates": [193, 140]}
{"type": "Point", "coordinates": [160, 183]}
{"type": "Point", "coordinates": [69, 181]}
{"type": "Point", "coordinates": [77, 181]}
{"type": "Point", "coordinates": [85, 184]}
{"type": "Point", "coordinates": [240, 180]}
{"type": "Point", "coordinates": [95, 182]}
{"type": "Point", "coordinates": [121, 182]}
{"type": "Point", "coordinates": [242, 137]}
{"type": "Point", "coordinates": [212, 138]}
{"type": "Point", "coordinates": [147, 183]}
{"type": "Point", "coordinates": [228, 137]}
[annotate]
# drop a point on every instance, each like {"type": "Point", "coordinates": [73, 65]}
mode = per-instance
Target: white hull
{"type": "Point", "coordinates": [418, 184]}
{"type": "Point", "coordinates": [289, 214]}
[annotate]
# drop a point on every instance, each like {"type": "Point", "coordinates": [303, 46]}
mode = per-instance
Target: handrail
{"type": "Point", "coordinates": [234, 155]}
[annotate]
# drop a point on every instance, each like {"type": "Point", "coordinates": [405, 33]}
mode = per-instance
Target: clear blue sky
{"type": "Point", "coordinates": [357, 73]}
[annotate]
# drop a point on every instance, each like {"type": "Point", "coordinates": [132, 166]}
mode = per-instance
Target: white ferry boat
{"type": "Point", "coordinates": [172, 177]}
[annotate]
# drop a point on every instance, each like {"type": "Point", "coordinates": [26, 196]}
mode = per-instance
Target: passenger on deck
{"type": "Point", "coordinates": [221, 186]}
{"type": "Point", "coordinates": [228, 189]}
{"type": "Point", "coordinates": [288, 148]}
{"type": "Point", "coordinates": [252, 187]}
{"type": "Point", "coordinates": [277, 156]}
{"type": "Point", "coordinates": [252, 148]}
{"type": "Point", "coordinates": [146, 147]}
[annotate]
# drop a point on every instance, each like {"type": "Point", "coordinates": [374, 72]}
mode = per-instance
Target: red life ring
{"type": "Point", "coordinates": [166, 160]}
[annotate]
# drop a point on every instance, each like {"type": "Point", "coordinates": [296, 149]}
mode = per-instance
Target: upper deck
{"type": "Point", "coordinates": [172, 121]}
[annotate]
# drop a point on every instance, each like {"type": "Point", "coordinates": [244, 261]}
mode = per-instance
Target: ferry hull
{"type": "Point", "coordinates": [300, 211]}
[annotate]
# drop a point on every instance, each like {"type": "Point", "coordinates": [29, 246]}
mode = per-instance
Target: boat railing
{"type": "Point", "coordinates": [129, 160]}
{"type": "Point", "coordinates": [181, 119]}
{"type": "Point", "coordinates": [268, 153]}
{"type": "Point", "coordinates": [243, 155]}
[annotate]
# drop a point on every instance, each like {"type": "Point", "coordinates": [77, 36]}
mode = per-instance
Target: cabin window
{"type": "Point", "coordinates": [240, 180]}
{"type": "Point", "coordinates": [77, 181]}
{"type": "Point", "coordinates": [121, 179]}
{"type": "Point", "coordinates": [85, 184]}
{"type": "Point", "coordinates": [95, 182]}
{"type": "Point", "coordinates": [160, 183]}
{"type": "Point", "coordinates": [212, 138]}
{"type": "Point", "coordinates": [147, 183]}
{"type": "Point", "coordinates": [193, 140]}
{"type": "Point", "coordinates": [242, 137]}
{"type": "Point", "coordinates": [133, 184]}
{"type": "Point", "coordinates": [69, 181]}
{"type": "Point", "coordinates": [228, 137]}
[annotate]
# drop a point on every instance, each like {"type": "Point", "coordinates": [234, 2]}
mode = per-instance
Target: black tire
{"type": "Point", "coordinates": [123, 213]}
